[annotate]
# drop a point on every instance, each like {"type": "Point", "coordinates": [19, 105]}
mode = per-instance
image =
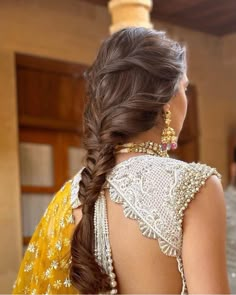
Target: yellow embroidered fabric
{"type": "Point", "coordinates": [45, 266]}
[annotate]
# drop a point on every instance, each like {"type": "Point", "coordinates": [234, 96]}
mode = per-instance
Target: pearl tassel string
{"type": "Point", "coordinates": [102, 251]}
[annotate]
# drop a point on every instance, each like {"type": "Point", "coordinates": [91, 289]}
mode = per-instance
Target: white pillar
{"type": "Point", "coordinates": [127, 13]}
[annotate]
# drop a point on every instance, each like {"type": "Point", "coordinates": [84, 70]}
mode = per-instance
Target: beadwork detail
{"type": "Point", "coordinates": [193, 178]}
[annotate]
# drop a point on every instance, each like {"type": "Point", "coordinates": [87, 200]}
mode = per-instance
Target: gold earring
{"type": "Point", "coordinates": [168, 136]}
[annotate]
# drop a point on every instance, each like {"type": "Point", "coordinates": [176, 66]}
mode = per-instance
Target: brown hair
{"type": "Point", "coordinates": [136, 72]}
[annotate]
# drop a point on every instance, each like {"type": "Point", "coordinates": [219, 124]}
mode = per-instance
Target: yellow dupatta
{"type": "Point", "coordinates": [45, 266]}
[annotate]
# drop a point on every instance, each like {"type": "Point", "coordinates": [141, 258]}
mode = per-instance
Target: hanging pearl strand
{"type": "Point", "coordinates": [102, 251]}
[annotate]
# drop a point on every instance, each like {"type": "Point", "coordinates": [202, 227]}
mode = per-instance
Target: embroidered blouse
{"type": "Point", "coordinates": [153, 190]}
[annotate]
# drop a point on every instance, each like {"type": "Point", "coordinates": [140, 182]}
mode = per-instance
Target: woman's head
{"type": "Point", "coordinates": [139, 71]}
{"type": "Point", "coordinates": [138, 74]}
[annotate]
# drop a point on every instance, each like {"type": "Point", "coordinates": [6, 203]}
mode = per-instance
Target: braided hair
{"type": "Point", "coordinates": [136, 72]}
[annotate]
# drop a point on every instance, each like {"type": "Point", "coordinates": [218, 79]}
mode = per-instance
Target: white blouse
{"type": "Point", "coordinates": [155, 191]}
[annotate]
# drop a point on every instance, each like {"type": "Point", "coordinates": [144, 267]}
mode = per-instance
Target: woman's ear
{"type": "Point", "coordinates": [166, 107]}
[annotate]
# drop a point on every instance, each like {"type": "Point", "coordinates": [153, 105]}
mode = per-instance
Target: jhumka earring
{"type": "Point", "coordinates": [168, 136]}
{"type": "Point", "coordinates": [168, 142]}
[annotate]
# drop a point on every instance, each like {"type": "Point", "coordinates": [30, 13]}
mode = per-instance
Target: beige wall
{"type": "Point", "coordinates": [10, 228]}
{"type": "Point", "coordinates": [72, 31]}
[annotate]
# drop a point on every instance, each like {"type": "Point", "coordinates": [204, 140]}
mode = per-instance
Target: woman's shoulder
{"type": "Point", "coordinates": [190, 178]}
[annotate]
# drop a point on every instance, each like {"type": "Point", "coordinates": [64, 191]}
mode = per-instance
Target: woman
{"type": "Point", "coordinates": [158, 240]}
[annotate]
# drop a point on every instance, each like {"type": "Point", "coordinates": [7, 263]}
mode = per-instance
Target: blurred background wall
{"type": "Point", "coordinates": [71, 30]}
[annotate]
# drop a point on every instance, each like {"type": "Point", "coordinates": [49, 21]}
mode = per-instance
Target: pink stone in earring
{"type": "Point", "coordinates": [174, 145]}
{"type": "Point", "coordinates": [164, 146]}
